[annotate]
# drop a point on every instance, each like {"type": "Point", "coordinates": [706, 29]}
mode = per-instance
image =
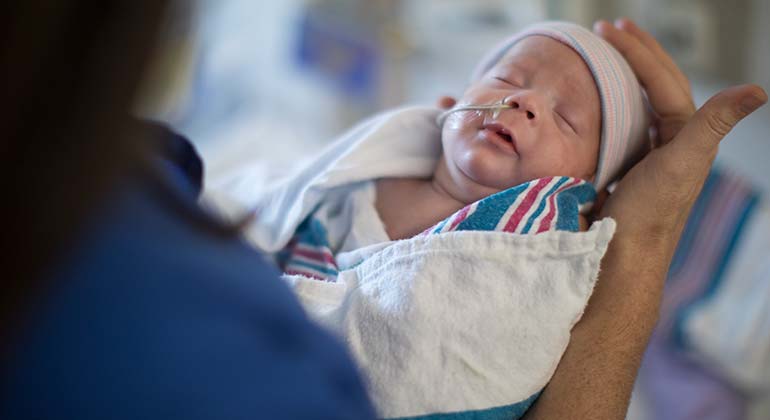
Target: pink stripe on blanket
{"type": "Point", "coordinates": [460, 217]}
{"type": "Point", "coordinates": [545, 224]}
{"type": "Point", "coordinates": [314, 254]}
{"type": "Point", "coordinates": [523, 208]}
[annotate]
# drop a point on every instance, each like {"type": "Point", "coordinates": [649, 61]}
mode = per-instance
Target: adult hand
{"type": "Point", "coordinates": [654, 199]}
{"type": "Point", "coordinates": [651, 204]}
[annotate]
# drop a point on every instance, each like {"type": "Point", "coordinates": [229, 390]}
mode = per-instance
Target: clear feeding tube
{"type": "Point", "coordinates": [495, 108]}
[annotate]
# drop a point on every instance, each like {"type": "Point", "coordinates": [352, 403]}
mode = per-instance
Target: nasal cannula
{"type": "Point", "coordinates": [495, 108]}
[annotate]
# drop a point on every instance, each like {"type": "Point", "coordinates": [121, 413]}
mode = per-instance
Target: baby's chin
{"type": "Point", "coordinates": [488, 176]}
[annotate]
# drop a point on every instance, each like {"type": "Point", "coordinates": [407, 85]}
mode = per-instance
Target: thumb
{"type": "Point", "coordinates": [716, 118]}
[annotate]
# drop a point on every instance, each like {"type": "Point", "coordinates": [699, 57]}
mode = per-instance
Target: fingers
{"type": "Point", "coordinates": [702, 134]}
{"type": "Point", "coordinates": [652, 44]}
{"type": "Point", "coordinates": [664, 91]}
{"type": "Point", "coordinates": [446, 102]}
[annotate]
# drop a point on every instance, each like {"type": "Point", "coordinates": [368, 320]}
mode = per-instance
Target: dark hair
{"type": "Point", "coordinates": [70, 71]}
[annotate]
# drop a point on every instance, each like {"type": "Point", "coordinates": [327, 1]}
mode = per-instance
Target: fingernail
{"type": "Point", "coordinates": [750, 103]}
{"type": "Point", "coordinates": [598, 25]}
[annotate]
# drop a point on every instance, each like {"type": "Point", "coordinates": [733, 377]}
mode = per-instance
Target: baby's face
{"type": "Point", "coordinates": [553, 128]}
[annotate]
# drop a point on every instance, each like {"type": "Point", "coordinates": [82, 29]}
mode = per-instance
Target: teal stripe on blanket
{"type": "Point", "coordinates": [440, 226]}
{"type": "Point", "coordinates": [312, 232]}
{"type": "Point", "coordinates": [312, 235]}
{"type": "Point", "coordinates": [491, 209]}
{"type": "Point", "coordinates": [506, 412]}
{"type": "Point", "coordinates": [542, 204]}
{"type": "Point", "coordinates": [569, 202]}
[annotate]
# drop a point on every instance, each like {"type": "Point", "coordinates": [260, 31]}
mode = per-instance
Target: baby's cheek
{"type": "Point", "coordinates": [480, 94]}
{"type": "Point", "coordinates": [463, 121]}
{"type": "Point", "coordinates": [590, 159]}
{"type": "Point", "coordinates": [579, 160]}
{"type": "Point", "coordinates": [553, 160]}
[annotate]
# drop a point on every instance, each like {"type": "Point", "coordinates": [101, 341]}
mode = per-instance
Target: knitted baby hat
{"type": "Point", "coordinates": [625, 118]}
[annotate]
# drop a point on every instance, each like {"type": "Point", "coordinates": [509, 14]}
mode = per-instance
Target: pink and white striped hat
{"type": "Point", "coordinates": [625, 116]}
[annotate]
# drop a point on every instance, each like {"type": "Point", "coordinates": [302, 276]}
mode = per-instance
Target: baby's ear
{"type": "Point", "coordinates": [446, 102]}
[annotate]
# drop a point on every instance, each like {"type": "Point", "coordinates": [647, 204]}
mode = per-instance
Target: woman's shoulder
{"type": "Point", "coordinates": [149, 314]}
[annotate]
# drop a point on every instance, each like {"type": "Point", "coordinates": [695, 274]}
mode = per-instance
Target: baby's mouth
{"type": "Point", "coordinates": [500, 135]}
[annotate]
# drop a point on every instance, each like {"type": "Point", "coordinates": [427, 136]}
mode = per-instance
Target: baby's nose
{"type": "Point", "coordinates": [525, 102]}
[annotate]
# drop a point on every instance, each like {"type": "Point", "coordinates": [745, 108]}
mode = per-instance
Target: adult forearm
{"type": "Point", "coordinates": [596, 375]}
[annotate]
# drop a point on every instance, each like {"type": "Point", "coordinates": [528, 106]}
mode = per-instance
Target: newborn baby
{"type": "Point", "coordinates": [554, 109]}
{"type": "Point", "coordinates": [574, 109]}
{"type": "Point", "coordinates": [471, 312]}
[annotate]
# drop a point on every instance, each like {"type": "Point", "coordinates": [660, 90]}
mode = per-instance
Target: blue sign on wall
{"type": "Point", "coordinates": [346, 57]}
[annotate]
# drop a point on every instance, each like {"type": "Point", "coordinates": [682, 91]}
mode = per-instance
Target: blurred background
{"type": "Point", "coordinates": [261, 86]}
{"type": "Point", "coordinates": [305, 70]}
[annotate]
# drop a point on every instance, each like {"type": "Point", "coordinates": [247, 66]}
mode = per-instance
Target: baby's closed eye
{"type": "Point", "coordinates": [564, 120]}
{"type": "Point", "coordinates": [505, 81]}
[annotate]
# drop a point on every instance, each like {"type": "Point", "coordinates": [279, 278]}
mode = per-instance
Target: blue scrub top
{"type": "Point", "coordinates": [151, 317]}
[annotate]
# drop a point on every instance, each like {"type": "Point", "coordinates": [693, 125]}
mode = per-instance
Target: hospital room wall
{"type": "Point", "coordinates": [394, 39]}
{"type": "Point", "coordinates": [759, 63]}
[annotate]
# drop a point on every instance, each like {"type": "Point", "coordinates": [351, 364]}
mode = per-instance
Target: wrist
{"type": "Point", "coordinates": [648, 244]}
{"type": "Point", "coordinates": [624, 305]}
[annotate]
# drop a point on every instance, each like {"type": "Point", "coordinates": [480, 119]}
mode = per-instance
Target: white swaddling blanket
{"type": "Point", "coordinates": [460, 322]}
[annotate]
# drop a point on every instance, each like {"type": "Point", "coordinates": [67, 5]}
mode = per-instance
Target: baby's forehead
{"type": "Point", "coordinates": [544, 56]}
{"type": "Point", "coordinates": [537, 51]}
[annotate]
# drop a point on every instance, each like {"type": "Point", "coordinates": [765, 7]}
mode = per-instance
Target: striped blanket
{"type": "Point", "coordinates": [533, 207]}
